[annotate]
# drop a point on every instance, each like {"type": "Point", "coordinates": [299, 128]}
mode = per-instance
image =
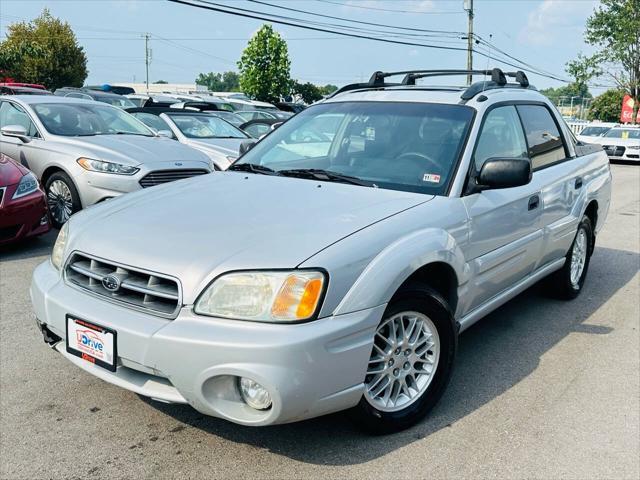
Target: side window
{"type": "Point", "coordinates": [544, 139]}
{"type": "Point", "coordinates": [11, 114]}
{"type": "Point", "coordinates": [501, 136]}
{"type": "Point", "coordinates": [152, 121]}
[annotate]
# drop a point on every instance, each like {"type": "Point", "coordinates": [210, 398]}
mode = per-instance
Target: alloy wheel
{"type": "Point", "coordinates": [60, 201]}
{"type": "Point", "coordinates": [578, 257]}
{"type": "Point", "coordinates": [403, 361]}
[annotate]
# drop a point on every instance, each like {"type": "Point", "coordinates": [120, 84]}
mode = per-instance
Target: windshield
{"type": "Point", "coordinates": [401, 146]}
{"type": "Point", "coordinates": [205, 126]}
{"type": "Point", "coordinates": [624, 133]}
{"type": "Point", "coordinates": [594, 131]}
{"type": "Point", "coordinates": [80, 119]}
{"type": "Point", "coordinates": [120, 102]}
{"type": "Point", "coordinates": [232, 118]}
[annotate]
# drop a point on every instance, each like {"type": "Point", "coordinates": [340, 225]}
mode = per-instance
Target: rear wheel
{"type": "Point", "coordinates": [62, 198]}
{"type": "Point", "coordinates": [567, 282]}
{"type": "Point", "coordinates": [410, 363]}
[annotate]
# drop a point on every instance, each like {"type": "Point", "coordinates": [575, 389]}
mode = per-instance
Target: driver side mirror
{"type": "Point", "coordinates": [16, 131]}
{"type": "Point", "coordinates": [165, 133]}
{"type": "Point", "coordinates": [504, 173]}
{"type": "Point", "coordinates": [246, 146]}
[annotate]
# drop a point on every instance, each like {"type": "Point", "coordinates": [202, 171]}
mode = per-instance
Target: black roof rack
{"type": "Point", "coordinates": [498, 80]}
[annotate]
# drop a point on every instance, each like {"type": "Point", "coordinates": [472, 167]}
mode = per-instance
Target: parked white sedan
{"type": "Point", "coordinates": [621, 143]}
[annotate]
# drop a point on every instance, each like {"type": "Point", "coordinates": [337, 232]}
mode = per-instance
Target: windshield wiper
{"type": "Point", "coordinates": [325, 175]}
{"type": "Point", "coordinates": [253, 168]}
{"type": "Point", "coordinates": [130, 133]}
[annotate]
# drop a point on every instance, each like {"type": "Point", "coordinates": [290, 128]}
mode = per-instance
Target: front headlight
{"type": "Point", "coordinates": [57, 254]}
{"type": "Point", "coordinates": [106, 167]}
{"type": "Point", "coordinates": [634, 147]}
{"type": "Point", "coordinates": [28, 184]}
{"type": "Point", "coordinates": [270, 296]}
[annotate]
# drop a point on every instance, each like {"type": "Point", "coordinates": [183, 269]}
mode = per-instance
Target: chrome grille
{"type": "Point", "coordinates": [146, 291]}
{"type": "Point", "coordinates": [614, 150]}
{"type": "Point", "coordinates": [164, 176]}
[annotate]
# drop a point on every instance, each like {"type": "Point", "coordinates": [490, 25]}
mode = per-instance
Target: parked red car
{"type": "Point", "coordinates": [23, 209]}
{"type": "Point", "coordinates": [19, 84]}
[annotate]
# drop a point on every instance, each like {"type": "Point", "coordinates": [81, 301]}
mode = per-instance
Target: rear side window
{"type": "Point", "coordinates": [543, 137]}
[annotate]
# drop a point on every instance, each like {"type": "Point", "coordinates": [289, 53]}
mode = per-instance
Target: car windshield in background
{"type": "Point", "coordinates": [80, 119]}
{"type": "Point", "coordinates": [401, 146]}
{"type": "Point", "coordinates": [594, 131]}
{"type": "Point", "coordinates": [205, 126]}
{"type": "Point", "coordinates": [120, 102]}
{"type": "Point", "coordinates": [230, 117]}
{"type": "Point", "coordinates": [624, 133]}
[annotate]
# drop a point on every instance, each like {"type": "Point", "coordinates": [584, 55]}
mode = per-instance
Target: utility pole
{"type": "Point", "coordinates": [468, 6]}
{"type": "Point", "coordinates": [147, 57]}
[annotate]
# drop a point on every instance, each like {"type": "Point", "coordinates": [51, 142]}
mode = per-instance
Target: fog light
{"type": "Point", "coordinates": [254, 394]}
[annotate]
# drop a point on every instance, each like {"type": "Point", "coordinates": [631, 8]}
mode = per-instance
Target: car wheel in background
{"type": "Point", "coordinates": [62, 198]}
{"type": "Point", "coordinates": [411, 361]}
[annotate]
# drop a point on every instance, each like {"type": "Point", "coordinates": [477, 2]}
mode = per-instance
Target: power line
{"type": "Point", "coordinates": [368, 31]}
{"type": "Point", "coordinates": [350, 20]}
{"type": "Point", "coordinates": [307, 27]}
{"type": "Point", "coordinates": [207, 5]}
{"type": "Point", "coordinates": [445, 12]}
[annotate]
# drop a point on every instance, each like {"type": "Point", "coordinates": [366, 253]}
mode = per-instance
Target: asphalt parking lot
{"type": "Point", "coordinates": [542, 389]}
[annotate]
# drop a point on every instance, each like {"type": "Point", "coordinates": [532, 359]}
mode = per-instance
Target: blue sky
{"type": "Point", "coordinates": [186, 40]}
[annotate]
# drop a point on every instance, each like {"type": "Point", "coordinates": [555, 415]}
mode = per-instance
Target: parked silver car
{"type": "Point", "coordinates": [330, 270]}
{"type": "Point", "coordinates": [210, 134]}
{"type": "Point", "coordinates": [84, 152]}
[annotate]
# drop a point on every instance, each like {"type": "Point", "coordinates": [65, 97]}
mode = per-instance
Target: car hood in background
{"type": "Point", "coordinates": [199, 228]}
{"type": "Point", "coordinates": [133, 149]}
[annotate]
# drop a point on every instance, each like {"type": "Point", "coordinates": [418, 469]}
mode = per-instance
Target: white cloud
{"type": "Point", "coordinates": [553, 17]}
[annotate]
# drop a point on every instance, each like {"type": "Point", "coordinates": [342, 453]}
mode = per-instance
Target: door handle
{"type": "Point", "coordinates": [578, 183]}
{"type": "Point", "coordinates": [534, 202]}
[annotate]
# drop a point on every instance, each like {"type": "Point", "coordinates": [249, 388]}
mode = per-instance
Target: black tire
{"type": "Point", "coordinates": [559, 284]}
{"type": "Point", "coordinates": [420, 298]}
{"type": "Point", "coordinates": [58, 218]}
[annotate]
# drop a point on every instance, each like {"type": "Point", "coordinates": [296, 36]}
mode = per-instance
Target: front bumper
{"type": "Point", "coordinates": [23, 218]}
{"type": "Point", "coordinates": [309, 369]}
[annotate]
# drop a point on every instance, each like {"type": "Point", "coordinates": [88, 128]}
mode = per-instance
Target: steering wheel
{"type": "Point", "coordinates": [421, 156]}
{"type": "Point", "coordinates": [310, 136]}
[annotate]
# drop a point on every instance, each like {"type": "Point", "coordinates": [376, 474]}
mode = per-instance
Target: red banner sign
{"type": "Point", "coordinates": [627, 110]}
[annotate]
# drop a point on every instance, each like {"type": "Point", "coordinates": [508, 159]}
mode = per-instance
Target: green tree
{"type": "Point", "coordinates": [606, 107]}
{"type": "Point", "coordinates": [309, 92]}
{"type": "Point", "coordinates": [43, 51]}
{"type": "Point", "coordinates": [566, 92]}
{"type": "Point", "coordinates": [264, 66]}
{"type": "Point", "coordinates": [160, 82]}
{"type": "Point", "coordinates": [220, 82]}
{"type": "Point", "coordinates": [328, 89]}
{"type": "Point", "coordinates": [614, 29]}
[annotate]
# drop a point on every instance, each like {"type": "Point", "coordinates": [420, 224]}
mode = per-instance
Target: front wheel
{"type": "Point", "coordinates": [410, 363]}
{"type": "Point", "coordinates": [62, 198]}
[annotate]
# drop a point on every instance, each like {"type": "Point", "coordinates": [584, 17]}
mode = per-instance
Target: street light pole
{"type": "Point", "coordinates": [146, 58]}
{"type": "Point", "coordinates": [468, 6]}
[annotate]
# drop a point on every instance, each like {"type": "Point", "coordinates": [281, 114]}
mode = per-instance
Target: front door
{"type": "Point", "coordinates": [506, 234]}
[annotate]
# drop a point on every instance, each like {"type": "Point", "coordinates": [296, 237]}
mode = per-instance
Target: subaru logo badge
{"type": "Point", "coordinates": [178, 164]}
{"type": "Point", "coordinates": [111, 283]}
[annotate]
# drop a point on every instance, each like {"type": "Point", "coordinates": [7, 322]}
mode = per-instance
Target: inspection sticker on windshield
{"type": "Point", "coordinates": [431, 178]}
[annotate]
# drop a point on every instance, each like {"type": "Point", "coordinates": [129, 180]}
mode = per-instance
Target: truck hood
{"type": "Point", "coordinates": [133, 150]}
{"type": "Point", "coordinates": [199, 228]}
